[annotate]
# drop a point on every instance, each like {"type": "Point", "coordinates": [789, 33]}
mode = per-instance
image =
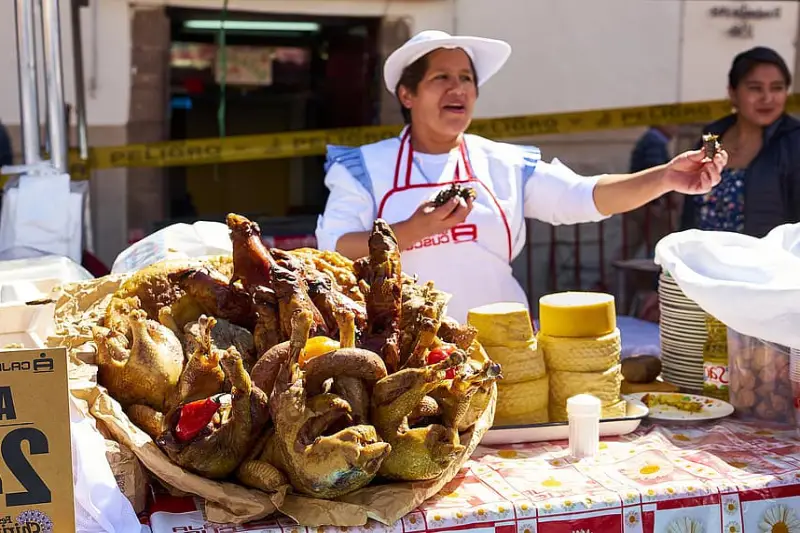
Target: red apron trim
{"type": "Point", "coordinates": [470, 177]}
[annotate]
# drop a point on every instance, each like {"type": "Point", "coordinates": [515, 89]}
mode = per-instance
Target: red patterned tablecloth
{"type": "Point", "coordinates": [728, 477]}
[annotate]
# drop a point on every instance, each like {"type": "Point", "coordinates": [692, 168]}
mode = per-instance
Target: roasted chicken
{"type": "Point", "coordinates": [144, 371]}
{"type": "Point", "coordinates": [211, 437]}
{"type": "Point", "coordinates": [202, 376]}
{"type": "Point", "coordinates": [251, 261]}
{"type": "Point", "coordinates": [418, 453]}
{"type": "Point", "coordinates": [326, 298]}
{"type": "Point", "coordinates": [462, 335]}
{"type": "Point", "coordinates": [255, 267]}
{"type": "Point", "coordinates": [384, 301]}
{"type": "Point", "coordinates": [422, 313]}
{"type": "Point", "coordinates": [267, 332]}
{"type": "Point", "coordinates": [356, 364]}
{"type": "Point", "coordinates": [223, 335]}
{"type": "Point", "coordinates": [146, 418]}
{"type": "Point", "coordinates": [217, 296]}
{"type": "Point", "coordinates": [323, 466]}
{"type": "Point", "coordinates": [455, 397]}
{"type": "Point", "coordinates": [150, 289]}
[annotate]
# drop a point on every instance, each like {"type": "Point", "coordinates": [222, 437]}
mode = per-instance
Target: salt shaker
{"type": "Point", "coordinates": [583, 413]}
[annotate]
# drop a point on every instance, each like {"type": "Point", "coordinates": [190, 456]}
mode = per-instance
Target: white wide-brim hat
{"type": "Point", "coordinates": [488, 55]}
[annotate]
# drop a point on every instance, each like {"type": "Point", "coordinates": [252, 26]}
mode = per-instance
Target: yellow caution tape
{"type": "Point", "coordinates": [314, 142]}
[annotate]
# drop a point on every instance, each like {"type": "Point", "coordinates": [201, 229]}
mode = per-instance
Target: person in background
{"type": "Point", "coordinates": [760, 188]}
{"type": "Point", "coordinates": [465, 246]}
{"type": "Point", "coordinates": [652, 148]}
{"type": "Point", "coordinates": [6, 151]}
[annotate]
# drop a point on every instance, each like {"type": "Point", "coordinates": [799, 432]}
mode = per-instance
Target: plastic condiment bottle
{"type": "Point", "coordinates": [583, 414]}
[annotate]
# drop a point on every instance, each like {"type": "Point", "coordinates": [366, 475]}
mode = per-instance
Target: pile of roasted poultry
{"type": "Point", "coordinates": [297, 368]}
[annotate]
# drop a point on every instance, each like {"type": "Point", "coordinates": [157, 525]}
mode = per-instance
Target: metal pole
{"type": "Point", "coordinates": [40, 18]}
{"type": "Point", "coordinates": [54, 81]}
{"type": "Point", "coordinates": [28, 93]}
{"type": "Point", "coordinates": [80, 89]}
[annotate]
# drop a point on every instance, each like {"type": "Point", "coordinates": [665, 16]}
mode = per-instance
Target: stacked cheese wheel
{"type": "Point", "coordinates": [506, 333]}
{"type": "Point", "coordinates": [581, 344]}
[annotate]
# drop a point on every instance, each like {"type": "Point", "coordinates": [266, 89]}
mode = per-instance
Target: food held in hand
{"type": "Point", "coordinates": [677, 401]}
{"type": "Point", "coordinates": [711, 146]}
{"type": "Point", "coordinates": [455, 190]}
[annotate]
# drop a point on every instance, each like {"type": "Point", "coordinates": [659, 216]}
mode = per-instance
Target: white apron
{"type": "Point", "coordinates": [471, 261]}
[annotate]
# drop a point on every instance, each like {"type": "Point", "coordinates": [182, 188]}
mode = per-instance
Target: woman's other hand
{"type": "Point", "coordinates": [691, 173]}
{"type": "Point", "coordinates": [430, 220]}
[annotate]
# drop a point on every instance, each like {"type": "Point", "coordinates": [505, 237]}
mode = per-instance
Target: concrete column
{"type": "Point", "coordinates": [148, 119]}
{"type": "Point", "coordinates": [393, 33]}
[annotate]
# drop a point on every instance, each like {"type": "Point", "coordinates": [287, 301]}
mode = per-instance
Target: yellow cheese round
{"type": "Point", "coordinates": [540, 416]}
{"type": "Point", "coordinates": [581, 355]}
{"type": "Point", "coordinates": [501, 323]}
{"type": "Point", "coordinates": [558, 413]}
{"type": "Point", "coordinates": [577, 314]}
{"type": "Point", "coordinates": [603, 385]}
{"type": "Point", "coordinates": [515, 401]}
{"type": "Point", "coordinates": [520, 362]}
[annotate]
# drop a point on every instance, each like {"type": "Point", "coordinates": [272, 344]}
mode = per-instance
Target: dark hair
{"type": "Point", "coordinates": [746, 61]}
{"type": "Point", "coordinates": [412, 76]}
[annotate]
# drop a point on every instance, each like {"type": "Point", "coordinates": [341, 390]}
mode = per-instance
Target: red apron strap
{"type": "Point", "coordinates": [403, 139]}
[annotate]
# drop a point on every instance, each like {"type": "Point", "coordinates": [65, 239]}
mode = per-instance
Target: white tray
{"type": "Point", "coordinates": [609, 427]}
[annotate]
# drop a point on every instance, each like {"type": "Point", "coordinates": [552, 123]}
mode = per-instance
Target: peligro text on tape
{"type": "Point", "coordinates": [314, 142]}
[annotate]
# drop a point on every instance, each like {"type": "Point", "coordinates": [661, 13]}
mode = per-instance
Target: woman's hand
{"type": "Point", "coordinates": [691, 173]}
{"type": "Point", "coordinates": [427, 220]}
{"type": "Point", "coordinates": [430, 220]}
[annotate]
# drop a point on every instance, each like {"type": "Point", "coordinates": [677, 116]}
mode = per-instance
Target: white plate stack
{"type": "Point", "coordinates": [683, 334]}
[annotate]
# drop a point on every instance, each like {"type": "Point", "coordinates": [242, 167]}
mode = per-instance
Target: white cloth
{"type": "Point", "coordinates": [750, 285]}
{"type": "Point", "coordinates": [515, 181]}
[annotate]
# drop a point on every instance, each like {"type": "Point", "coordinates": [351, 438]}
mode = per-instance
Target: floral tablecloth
{"type": "Point", "coordinates": [729, 477]}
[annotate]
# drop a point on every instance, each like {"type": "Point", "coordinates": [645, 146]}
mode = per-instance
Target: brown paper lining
{"type": "Point", "coordinates": [83, 304]}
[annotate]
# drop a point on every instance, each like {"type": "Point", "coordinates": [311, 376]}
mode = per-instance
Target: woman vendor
{"type": "Point", "coordinates": [466, 245]}
{"type": "Point", "coordinates": [760, 187]}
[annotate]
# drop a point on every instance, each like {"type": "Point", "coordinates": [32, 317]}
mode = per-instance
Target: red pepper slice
{"type": "Point", "coordinates": [437, 355]}
{"type": "Point", "coordinates": [194, 417]}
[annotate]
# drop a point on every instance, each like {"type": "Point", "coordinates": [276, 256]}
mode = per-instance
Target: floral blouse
{"type": "Point", "coordinates": [722, 209]}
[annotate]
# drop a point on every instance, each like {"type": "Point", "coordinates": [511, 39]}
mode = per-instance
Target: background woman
{"type": "Point", "coordinates": [760, 187]}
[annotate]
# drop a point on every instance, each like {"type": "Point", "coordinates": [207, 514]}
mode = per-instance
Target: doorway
{"type": "Point", "coordinates": [284, 73]}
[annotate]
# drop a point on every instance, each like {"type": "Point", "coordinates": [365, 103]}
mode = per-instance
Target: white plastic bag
{"type": "Point", "coordinates": [43, 211]}
{"type": "Point", "coordinates": [178, 241]}
{"type": "Point", "coordinates": [751, 285]}
{"type": "Point", "coordinates": [100, 506]}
